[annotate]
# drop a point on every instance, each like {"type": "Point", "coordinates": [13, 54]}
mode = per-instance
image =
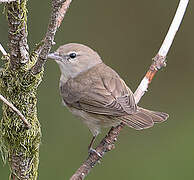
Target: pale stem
{"type": "Point", "coordinates": [2, 49]}
{"type": "Point", "coordinates": [173, 28]}
{"type": "Point", "coordinates": [107, 143]}
{"type": "Point", "coordinates": [6, 1]}
{"type": "Point", "coordinates": [140, 91]}
{"type": "Point", "coordinates": [142, 88]}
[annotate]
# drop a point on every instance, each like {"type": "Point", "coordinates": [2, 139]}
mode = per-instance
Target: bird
{"type": "Point", "coordinates": [96, 93]}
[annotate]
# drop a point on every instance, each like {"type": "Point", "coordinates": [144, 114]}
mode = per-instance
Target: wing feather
{"type": "Point", "coordinates": [101, 93]}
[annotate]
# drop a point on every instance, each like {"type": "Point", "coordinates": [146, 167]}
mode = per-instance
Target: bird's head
{"type": "Point", "coordinates": [74, 59]}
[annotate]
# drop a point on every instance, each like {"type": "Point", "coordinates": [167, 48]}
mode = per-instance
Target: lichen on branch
{"type": "Point", "coordinates": [19, 80]}
{"type": "Point", "coordinates": [16, 13]}
{"type": "Point", "coordinates": [18, 144]}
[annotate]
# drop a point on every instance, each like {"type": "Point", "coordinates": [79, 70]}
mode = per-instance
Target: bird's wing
{"type": "Point", "coordinates": [100, 90]}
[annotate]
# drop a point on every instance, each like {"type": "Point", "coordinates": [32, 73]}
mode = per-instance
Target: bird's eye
{"type": "Point", "coordinates": [72, 55]}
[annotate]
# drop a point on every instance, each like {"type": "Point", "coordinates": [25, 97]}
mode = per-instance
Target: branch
{"type": "Point", "coordinates": [26, 123]}
{"type": "Point", "coordinates": [159, 59]}
{"type": "Point", "coordinates": [9, 103]}
{"type": "Point", "coordinates": [19, 85]}
{"type": "Point", "coordinates": [6, 1]}
{"type": "Point", "coordinates": [107, 143]}
{"type": "Point", "coordinates": [19, 145]}
{"type": "Point", "coordinates": [17, 33]}
{"type": "Point", "coordinates": [173, 28]}
{"type": "Point", "coordinates": [3, 50]}
{"type": "Point", "coordinates": [59, 9]}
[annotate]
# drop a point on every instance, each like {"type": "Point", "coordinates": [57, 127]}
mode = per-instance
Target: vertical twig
{"type": "Point", "coordinates": [159, 59]}
{"type": "Point", "coordinates": [173, 28]}
{"type": "Point", "coordinates": [59, 9]}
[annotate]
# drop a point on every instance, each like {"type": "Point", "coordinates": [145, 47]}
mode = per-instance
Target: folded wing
{"type": "Point", "coordinates": [101, 93]}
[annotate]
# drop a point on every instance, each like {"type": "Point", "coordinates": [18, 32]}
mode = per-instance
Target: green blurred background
{"type": "Point", "coordinates": [127, 34]}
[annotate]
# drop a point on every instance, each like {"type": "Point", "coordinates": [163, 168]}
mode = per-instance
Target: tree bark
{"type": "Point", "coordinates": [18, 84]}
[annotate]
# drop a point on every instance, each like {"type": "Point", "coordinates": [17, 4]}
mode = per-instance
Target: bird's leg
{"type": "Point", "coordinates": [91, 143]}
{"type": "Point", "coordinates": [90, 149]}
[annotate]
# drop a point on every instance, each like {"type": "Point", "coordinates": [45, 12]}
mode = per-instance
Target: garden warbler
{"type": "Point", "coordinates": [95, 92]}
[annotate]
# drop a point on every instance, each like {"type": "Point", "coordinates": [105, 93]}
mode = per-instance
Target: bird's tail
{"type": "Point", "coordinates": [144, 118]}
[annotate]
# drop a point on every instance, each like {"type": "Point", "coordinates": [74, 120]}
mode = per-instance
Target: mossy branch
{"type": "Point", "coordinates": [16, 13]}
{"type": "Point", "coordinates": [18, 145]}
{"type": "Point", "coordinates": [27, 125]}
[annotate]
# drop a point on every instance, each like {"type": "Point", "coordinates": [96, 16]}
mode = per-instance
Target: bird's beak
{"type": "Point", "coordinates": [55, 56]}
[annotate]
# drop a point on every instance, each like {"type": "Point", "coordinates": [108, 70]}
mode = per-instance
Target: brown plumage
{"type": "Point", "coordinates": [96, 93]}
{"type": "Point", "coordinates": [106, 94]}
